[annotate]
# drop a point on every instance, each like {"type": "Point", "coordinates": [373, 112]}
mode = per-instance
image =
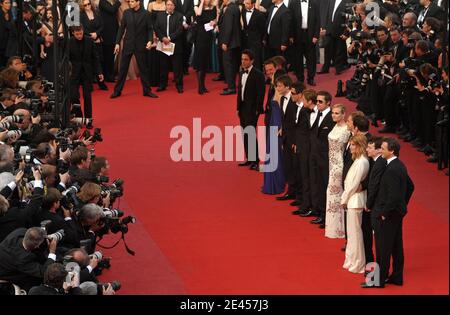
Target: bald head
{"type": "Point", "coordinates": [409, 20]}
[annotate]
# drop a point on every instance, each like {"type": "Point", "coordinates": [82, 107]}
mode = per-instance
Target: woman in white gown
{"type": "Point", "coordinates": [354, 200]}
{"type": "Point", "coordinates": [337, 140]}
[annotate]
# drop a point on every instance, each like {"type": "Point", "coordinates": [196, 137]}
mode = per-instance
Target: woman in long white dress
{"type": "Point", "coordinates": [337, 139]}
{"type": "Point", "coordinates": [354, 200]}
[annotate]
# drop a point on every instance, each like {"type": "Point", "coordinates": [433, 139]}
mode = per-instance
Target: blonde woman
{"type": "Point", "coordinates": [354, 200]}
{"type": "Point", "coordinates": [337, 139]}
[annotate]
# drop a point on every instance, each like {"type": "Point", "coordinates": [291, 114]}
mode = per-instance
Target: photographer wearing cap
{"type": "Point", "coordinates": [21, 254]}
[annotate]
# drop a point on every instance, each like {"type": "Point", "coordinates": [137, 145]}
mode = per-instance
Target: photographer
{"type": "Point", "coordinates": [55, 282]}
{"type": "Point", "coordinates": [89, 222]}
{"type": "Point", "coordinates": [21, 217]}
{"type": "Point", "coordinates": [25, 255]}
{"type": "Point", "coordinates": [80, 161]}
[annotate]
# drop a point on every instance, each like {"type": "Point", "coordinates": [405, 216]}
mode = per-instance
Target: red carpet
{"type": "Point", "coordinates": [205, 228]}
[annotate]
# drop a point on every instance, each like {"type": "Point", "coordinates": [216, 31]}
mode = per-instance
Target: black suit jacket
{"type": "Point", "coordinates": [396, 189]}
{"type": "Point", "coordinates": [255, 89]}
{"type": "Point", "coordinates": [334, 28]}
{"type": "Point", "coordinates": [175, 29]}
{"type": "Point", "coordinates": [313, 29]}
{"type": "Point", "coordinates": [279, 27]}
{"type": "Point", "coordinates": [138, 30]}
{"type": "Point", "coordinates": [288, 124]}
{"type": "Point", "coordinates": [375, 174]}
{"type": "Point", "coordinates": [18, 265]}
{"type": "Point", "coordinates": [434, 11]}
{"type": "Point", "coordinates": [186, 9]}
{"type": "Point", "coordinates": [108, 12]}
{"type": "Point", "coordinates": [253, 33]}
{"type": "Point", "coordinates": [230, 27]}
{"type": "Point", "coordinates": [319, 136]}
{"type": "Point", "coordinates": [303, 130]}
{"type": "Point", "coordinates": [84, 59]}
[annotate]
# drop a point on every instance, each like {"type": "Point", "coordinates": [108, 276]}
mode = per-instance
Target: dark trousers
{"type": "Point", "coordinates": [108, 62]}
{"type": "Point", "coordinates": [366, 227]}
{"type": "Point", "coordinates": [389, 243]}
{"type": "Point", "coordinates": [391, 106]}
{"type": "Point", "coordinates": [428, 115]}
{"type": "Point", "coordinates": [143, 71]}
{"type": "Point", "coordinates": [86, 85]}
{"type": "Point", "coordinates": [271, 52]}
{"type": "Point", "coordinates": [304, 48]}
{"type": "Point", "coordinates": [230, 66]}
{"type": "Point", "coordinates": [336, 51]}
{"type": "Point", "coordinates": [289, 160]}
{"type": "Point", "coordinates": [250, 141]}
{"type": "Point", "coordinates": [319, 169]}
{"type": "Point", "coordinates": [177, 66]}
{"type": "Point", "coordinates": [187, 49]}
{"type": "Point", "coordinates": [303, 180]}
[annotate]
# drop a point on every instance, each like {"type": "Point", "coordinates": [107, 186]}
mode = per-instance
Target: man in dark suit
{"type": "Point", "coordinates": [137, 27]}
{"type": "Point", "coordinates": [186, 8]}
{"type": "Point", "coordinates": [230, 42]}
{"type": "Point", "coordinates": [270, 68]}
{"type": "Point", "coordinates": [319, 164]}
{"type": "Point", "coordinates": [376, 171]}
{"type": "Point", "coordinates": [333, 32]}
{"type": "Point", "coordinates": [305, 32]}
{"type": "Point", "coordinates": [21, 257]}
{"type": "Point", "coordinates": [85, 64]}
{"type": "Point", "coordinates": [254, 23]}
{"type": "Point", "coordinates": [169, 29]}
{"type": "Point", "coordinates": [250, 99]}
{"type": "Point", "coordinates": [278, 25]}
{"type": "Point", "coordinates": [390, 208]}
{"type": "Point", "coordinates": [108, 11]}
{"type": "Point", "coordinates": [429, 8]}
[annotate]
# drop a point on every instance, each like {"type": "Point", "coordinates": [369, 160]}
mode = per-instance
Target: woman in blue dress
{"type": "Point", "coordinates": [274, 179]}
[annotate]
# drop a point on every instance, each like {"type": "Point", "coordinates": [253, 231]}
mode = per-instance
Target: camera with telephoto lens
{"type": "Point", "coordinates": [15, 119]}
{"type": "Point", "coordinates": [70, 197]}
{"type": "Point", "coordinates": [58, 235]}
{"type": "Point", "coordinates": [96, 135]}
{"type": "Point", "coordinates": [115, 190]}
{"type": "Point", "coordinates": [115, 285]}
{"type": "Point", "coordinates": [103, 262]}
{"type": "Point", "coordinates": [435, 82]}
{"type": "Point", "coordinates": [80, 121]}
{"type": "Point", "coordinates": [113, 221]}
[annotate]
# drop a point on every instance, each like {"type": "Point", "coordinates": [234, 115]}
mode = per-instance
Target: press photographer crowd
{"type": "Point", "coordinates": [56, 196]}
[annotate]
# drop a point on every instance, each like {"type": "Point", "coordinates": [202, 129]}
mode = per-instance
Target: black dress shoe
{"type": "Point", "coordinates": [115, 95]}
{"type": "Point", "coordinates": [180, 90]}
{"type": "Point", "coordinates": [394, 282]}
{"type": "Point", "coordinates": [366, 286]}
{"type": "Point", "coordinates": [102, 86]}
{"type": "Point", "coordinates": [151, 94]}
{"type": "Point", "coordinates": [228, 92]}
{"type": "Point", "coordinates": [308, 213]}
{"type": "Point", "coordinates": [404, 136]}
{"type": "Point", "coordinates": [295, 203]}
{"type": "Point", "coordinates": [247, 163]}
{"type": "Point", "coordinates": [296, 212]}
{"type": "Point", "coordinates": [322, 226]}
{"type": "Point", "coordinates": [219, 78]}
{"type": "Point", "coordinates": [323, 71]}
{"type": "Point", "coordinates": [311, 82]}
{"type": "Point", "coordinates": [432, 159]}
{"type": "Point", "coordinates": [161, 88]}
{"type": "Point", "coordinates": [254, 167]}
{"type": "Point", "coordinates": [286, 197]}
{"type": "Point", "coordinates": [318, 220]}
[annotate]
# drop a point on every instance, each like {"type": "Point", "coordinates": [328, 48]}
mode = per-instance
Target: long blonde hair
{"type": "Point", "coordinates": [360, 141]}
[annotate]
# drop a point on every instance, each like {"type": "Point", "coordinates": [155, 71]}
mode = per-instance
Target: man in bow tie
{"type": "Point", "coordinates": [253, 28]}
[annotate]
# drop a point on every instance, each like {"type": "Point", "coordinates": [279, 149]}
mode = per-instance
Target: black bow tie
{"type": "Point", "coordinates": [303, 0]}
{"type": "Point", "coordinates": [249, 11]}
{"type": "Point", "coordinates": [244, 71]}
{"type": "Point", "coordinates": [275, 6]}
{"type": "Point", "coordinates": [320, 114]}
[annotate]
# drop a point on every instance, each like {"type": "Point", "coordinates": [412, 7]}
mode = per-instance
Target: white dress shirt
{"type": "Point", "coordinates": [312, 117]}
{"type": "Point", "coordinates": [324, 113]}
{"type": "Point", "coordinates": [376, 158]}
{"type": "Point", "coordinates": [305, 6]}
{"type": "Point", "coordinates": [244, 81]}
{"type": "Point", "coordinates": [286, 101]}
{"type": "Point", "coordinates": [275, 9]}
{"type": "Point", "coordinates": [248, 16]}
{"type": "Point", "coordinates": [391, 159]}
{"type": "Point", "coordinates": [336, 4]}
{"type": "Point", "coordinates": [168, 21]}
{"type": "Point", "coordinates": [422, 14]}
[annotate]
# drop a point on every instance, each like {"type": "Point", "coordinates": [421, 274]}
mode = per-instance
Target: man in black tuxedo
{"type": "Point", "coordinates": [138, 30]}
{"type": "Point", "coordinates": [254, 23]}
{"type": "Point", "coordinates": [22, 258]}
{"type": "Point", "coordinates": [108, 11]}
{"type": "Point", "coordinates": [305, 32]}
{"type": "Point", "coordinates": [27, 17]}
{"type": "Point", "coordinates": [396, 189]}
{"type": "Point", "coordinates": [319, 164]}
{"type": "Point", "coordinates": [85, 64]}
{"type": "Point", "coordinates": [250, 99]}
{"type": "Point", "coordinates": [429, 8]}
{"type": "Point", "coordinates": [230, 43]}
{"type": "Point", "coordinates": [278, 25]}
{"type": "Point", "coordinates": [332, 30]}
{"type": "Point", "coordinates": [377, 168]}
{"type": "Point", "coordinates": [186, 8]}
{"type": "Point", "coordinates": [289, 112]}
{"type": "Point", "coordinates": [269, 70]}
{"type": "Point", "coordinates": [169, 29]}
